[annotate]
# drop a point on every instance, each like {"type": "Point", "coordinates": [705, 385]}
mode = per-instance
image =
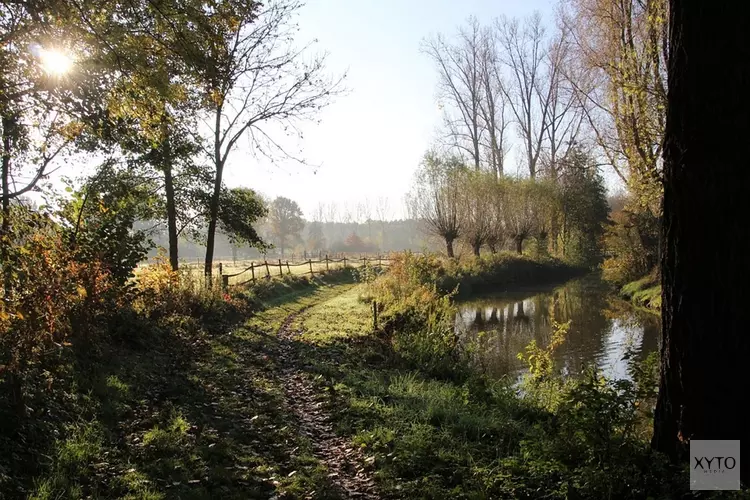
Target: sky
{"type": "Point", "coordinates": [371, 140]}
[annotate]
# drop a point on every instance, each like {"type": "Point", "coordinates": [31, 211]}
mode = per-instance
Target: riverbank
{"type": "Point", "coordinates": [457, 434]}
{"type": "Point", "coordinates": [644, 293]}
{"type": "Point", "coordinates": [498, 272]}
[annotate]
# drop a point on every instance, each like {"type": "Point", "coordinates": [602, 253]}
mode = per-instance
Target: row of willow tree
{"type": "Point", "coordinates": [592, 76]}
{"type": "Point", "coordinates": [154, 98]}
{"type": "Point", "coordinates": [566, 214]}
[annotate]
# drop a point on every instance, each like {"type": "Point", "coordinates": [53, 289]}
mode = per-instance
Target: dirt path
{"type": "Point", "coordinates": [346, 464]}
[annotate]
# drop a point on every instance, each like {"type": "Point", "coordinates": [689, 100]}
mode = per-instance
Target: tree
{"type": "Point", "coordinates": [619, 74]}
{"type": "Point", "coordinates": [286, 221]}
{"type": "Point", "coordinates": [239, 210]}
{"type": "Point", "coordinates": [253, 77]}
{"type": "Point", "coordinates": [620, 79]}
{"type": "Point", "coordinates": [705, 346]}
{"type": "Point", "coordinates": [461, 86]}
{"type": "Point", "coordinates": [476, 198]}
{"type": "Point", "coordinates": [493, 104]}
{"type": "Point", "coordinates": [316, 240]}
{"type": "Point", "coordinates": [498, 206]}
{"type": "Point", "coordinates": [584, 209]}
{"type": "Point", "coordinates": [435, 199]}
{"type": "Point", "coordinates": [520, 213]}
{"type": "Point", "coordinates": [37, 85]}
{"type": "Point", "coordinates": [545, 210]}
{"type": "Point", "coordinates": [524, 53]}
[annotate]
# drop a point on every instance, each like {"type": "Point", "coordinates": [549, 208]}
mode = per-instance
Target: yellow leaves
{"type": "Point", "coordinates": [82, 292]}
{"type": "Point", "coordinates": [216, 97]}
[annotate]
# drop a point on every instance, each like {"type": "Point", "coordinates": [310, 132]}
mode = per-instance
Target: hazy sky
{"type": "Point", "coordinates": [370, 141]}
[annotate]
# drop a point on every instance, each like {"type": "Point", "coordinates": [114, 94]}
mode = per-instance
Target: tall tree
{"type": "Point", "coordinates": [619, 74]}
{"type": "Point", "coordinates": [254, 78]}
{"type": "Point", "coordinates": [286, 221]}
{"type": "Point", "coordinates": [461, 86]}
{"type": "Point", "coordinates": [524, 51]}
{"type": "Point", "coordinates": [705, 346]}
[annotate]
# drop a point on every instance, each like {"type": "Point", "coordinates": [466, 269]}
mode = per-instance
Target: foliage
{"type": "Point", "coordinates": [631, 243]}
{"type": "Point", "coordinates": [239, 210]}
{"type": "Point", "coordinates": [98, 222]}
{"type": "Point", "coordinates": [286, 221]}
{"type": "Point", "coordinates": [584, 210]}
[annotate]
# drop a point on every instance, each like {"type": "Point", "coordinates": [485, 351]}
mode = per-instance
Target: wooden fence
{"type": "Point", "coordinates": [269, 269]}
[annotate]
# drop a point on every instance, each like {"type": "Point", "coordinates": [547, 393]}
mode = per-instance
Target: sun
{"type": "Point", "coordinates": [56, 62]}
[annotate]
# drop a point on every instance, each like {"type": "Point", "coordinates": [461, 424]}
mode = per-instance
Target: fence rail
{"type": "Point", "coordinates": [270, 268]}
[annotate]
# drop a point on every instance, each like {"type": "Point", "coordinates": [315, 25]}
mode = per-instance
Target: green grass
{"type": "Point", "coordinates": [179, 414]}
{"type": "Point", "coordinates": [342, 316]}
{"type": "Point", "coordinates": [644, 293]}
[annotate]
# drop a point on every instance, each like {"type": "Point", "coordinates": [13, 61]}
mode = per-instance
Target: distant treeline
{"type": "Point", "coordinates": [328, 237]}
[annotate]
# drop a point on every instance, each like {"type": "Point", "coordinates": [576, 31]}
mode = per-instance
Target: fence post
{"type": "Point", "coordinates": [311, 271]}
{"type": "Point", "coordinates": [268, 271]}
{"type": "Point", "coordinates": [220, 269]}
{"type": "Point", "coordinates": [375, 315]}
{"type": "Point", "coordinates": [344, 260]}
{"type": "Point", "coordinates": [289, 271]}
{"type": "Point", "coordinates": [281, 269]}
{"type": "Point", "coordinates": [252, 270]}
{"type": "Point", "coordinates": [364, 261]}
{"type": "Point", "coordinates": [379, 264]}
{"type": "Point", "coordinates": [224, 281]}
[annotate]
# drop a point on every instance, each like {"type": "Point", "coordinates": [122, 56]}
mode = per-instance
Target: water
{"type": "Point", "coordinates": [602, 328]}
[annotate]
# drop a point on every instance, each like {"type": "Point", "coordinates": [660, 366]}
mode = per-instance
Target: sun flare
{"type": "Point", "coordinates": [56, 62]}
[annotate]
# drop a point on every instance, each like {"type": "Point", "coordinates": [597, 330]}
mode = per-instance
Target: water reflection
{"type": "Point", "coordinates": [601, 330]}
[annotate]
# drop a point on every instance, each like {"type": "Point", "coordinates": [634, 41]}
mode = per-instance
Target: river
{"type": "Point", "coordinates": [603, 329]}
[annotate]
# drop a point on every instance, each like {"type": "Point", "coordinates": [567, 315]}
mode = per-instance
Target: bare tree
{"type": "Point", "coordinates": [460, 86]}
{"type": "Point", "coordinates": [564, 113]}
{"type": "Point", "coordinates": [528, 92]}
{"type": "Point", "coordinates": [382, 212]}
{"type": "Point", "coordinates": [435, 199]}
{"type": "Point", "coordinates": [493, 104]}
{"type": "Point", "coordinates": [254, 77]}
{"type": "Point", "coordinates": [331, 213]}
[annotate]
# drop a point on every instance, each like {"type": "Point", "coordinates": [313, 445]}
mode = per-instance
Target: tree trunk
{"type": "Point", "coordinates": [214, 208]}
{"type": "Point", "coordinates": [519, 245]}
{"type": "Point", "coordinates": [705, 344]}
{"type": "Point", "coordinates": [5, 181]}
{"type": "Point", "coordinates": [476, 247]}
{"type": "Point", "coordinates": [449, 247]}
{"type": "Point", "coordinates": [171, 213]}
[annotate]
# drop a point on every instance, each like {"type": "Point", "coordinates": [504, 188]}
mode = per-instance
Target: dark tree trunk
{"type": "Point", "coordinates": [8, 123]}
{"type": "Point", "coordinates": [519, 245]}
{"type": "Point", "coordinates": [449, 247]}
{"type": "Point", "coordinates": [214, 205]}
{"type": "Point", "coordinates": [476, 247]}
{"type": "Point", "coordinates": [705, 342]}
{"type": "Point", "coordinates": [171, 214]}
